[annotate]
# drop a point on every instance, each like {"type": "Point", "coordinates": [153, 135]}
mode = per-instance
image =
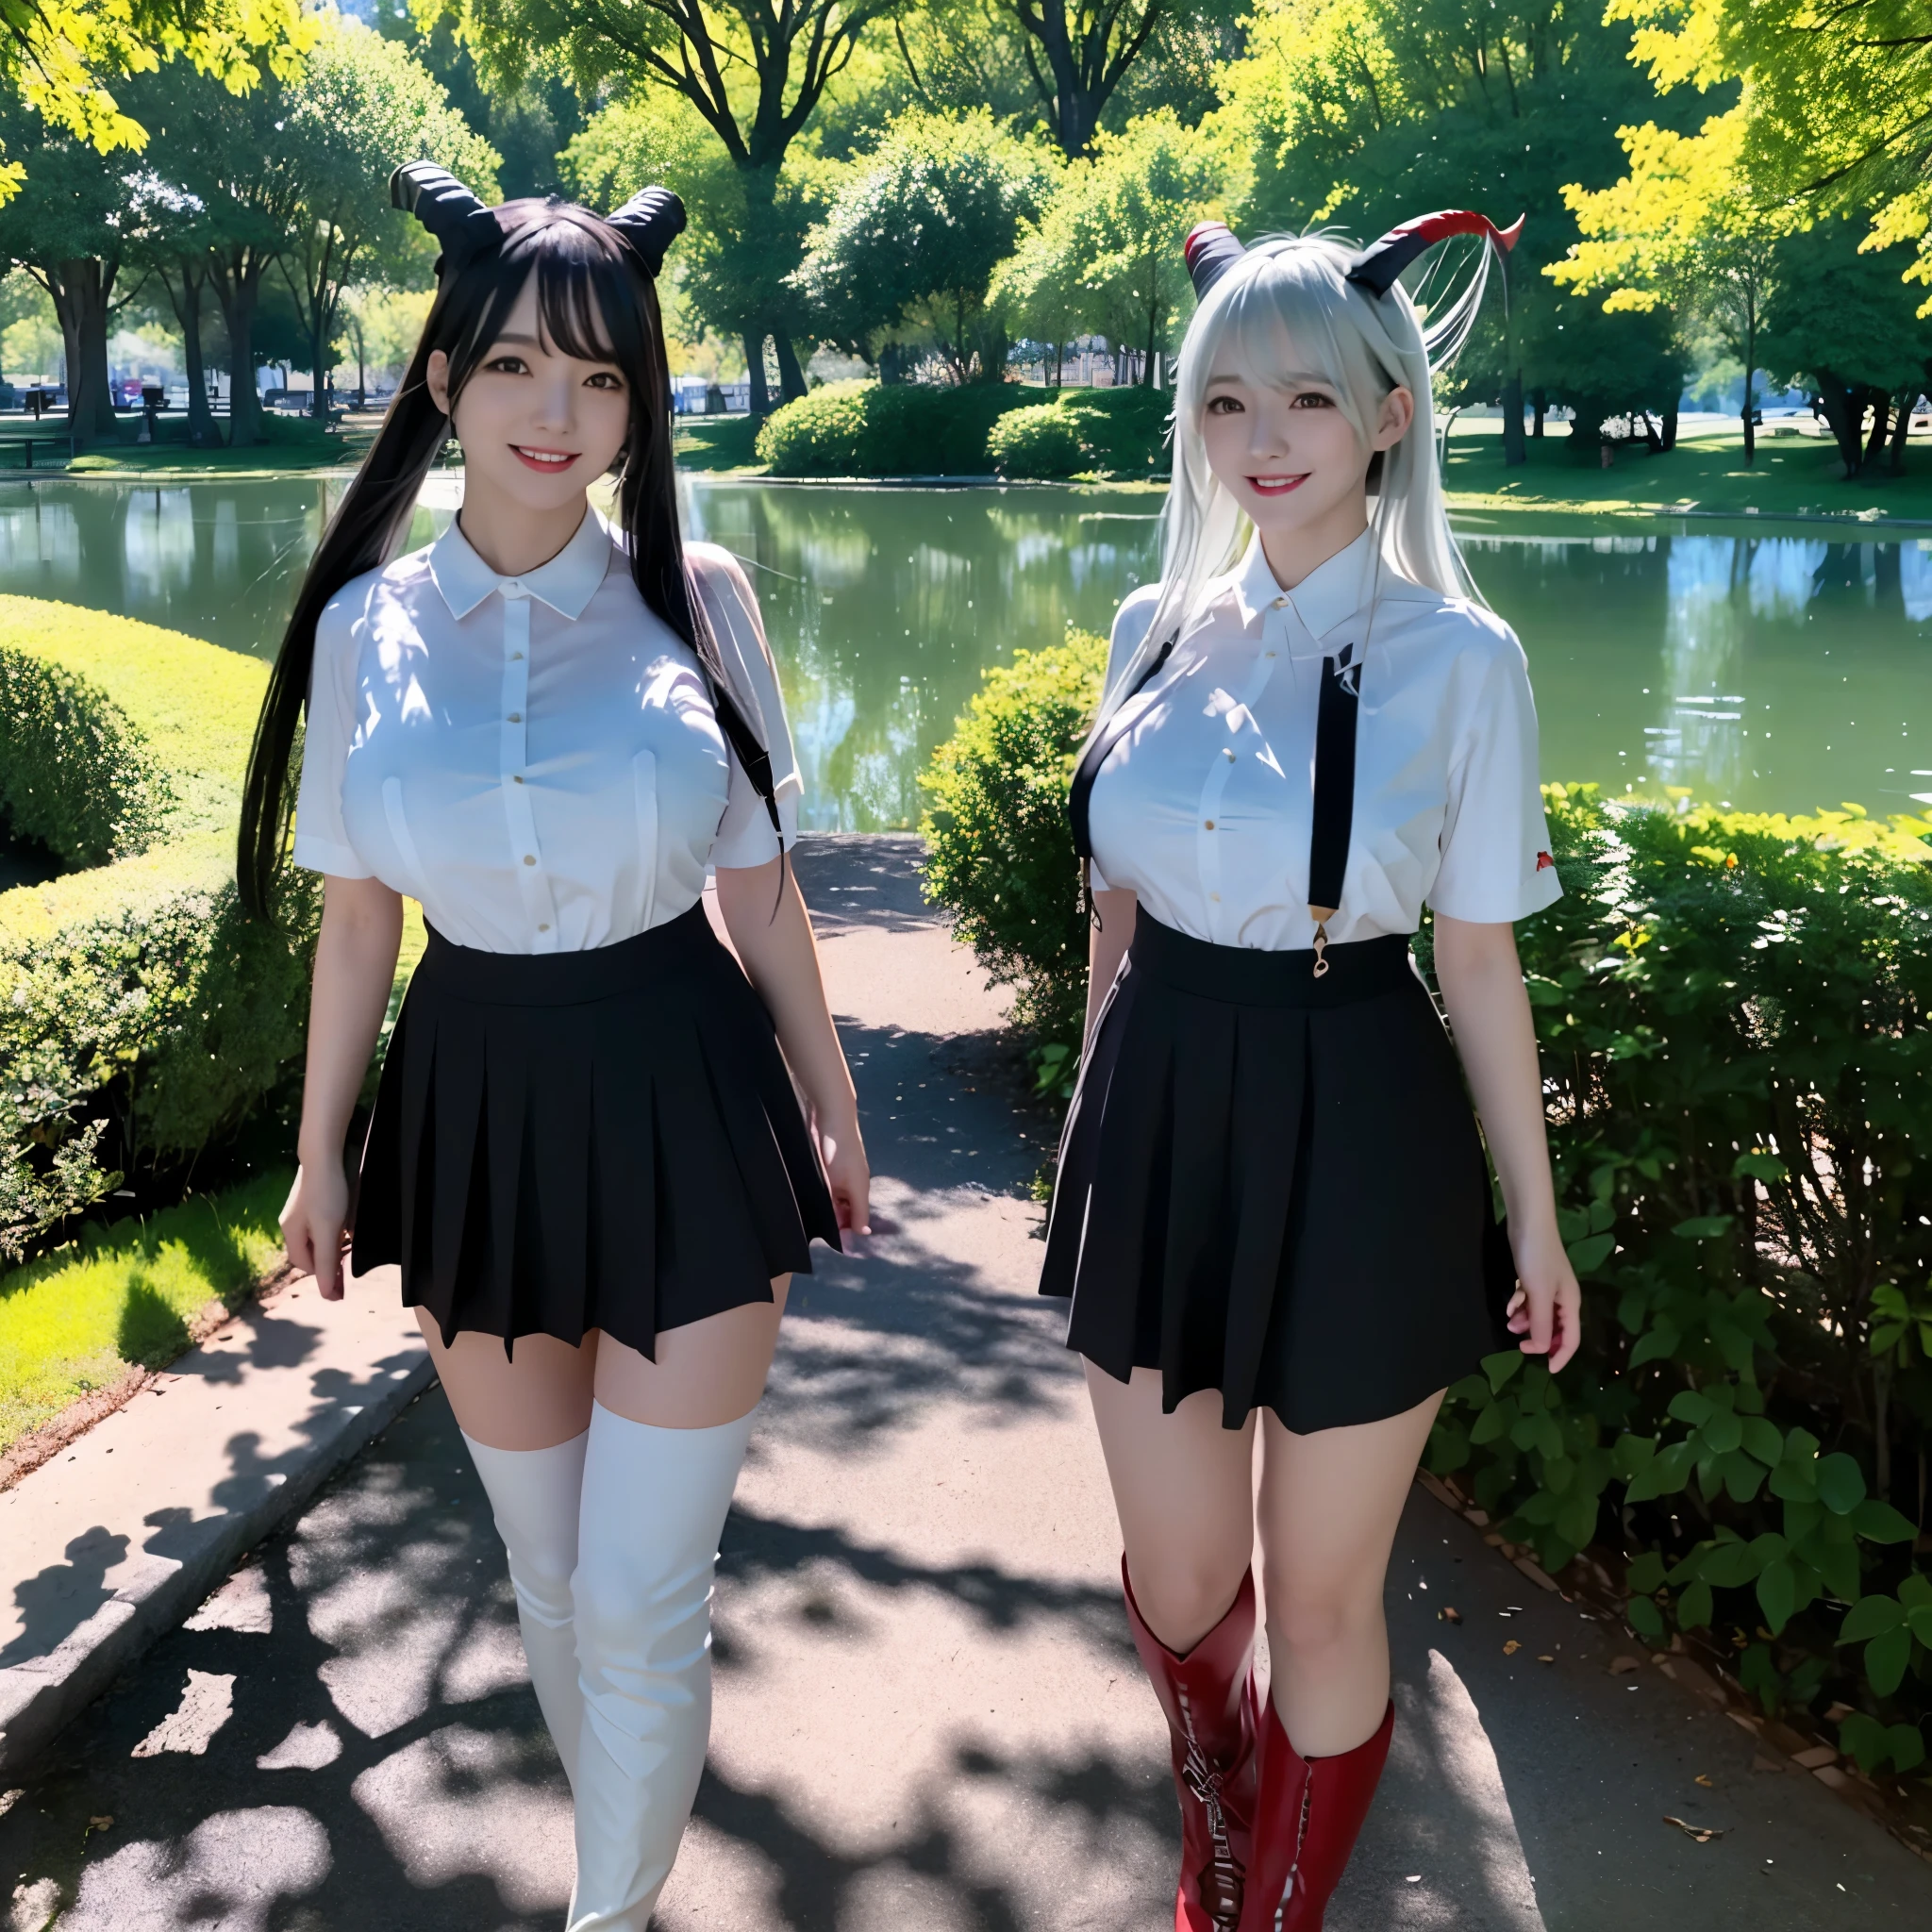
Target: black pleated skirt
{"type": "Point", "coordinates": [1272, 1186]}
{"type": "Point", "coordinates": [570, 1141]}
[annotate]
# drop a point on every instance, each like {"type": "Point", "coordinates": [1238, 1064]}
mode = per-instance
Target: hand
{"type": "Point", "coordinates": [312, 1229]}
{"type": "Point", "coordinates": [1547, 1308]}
{"type": "Point", "coordinates": [848, 1176]}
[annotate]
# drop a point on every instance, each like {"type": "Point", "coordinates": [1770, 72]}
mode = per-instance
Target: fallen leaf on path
{"type": "Point", "coordinates": [1622, 1666]}
{"type": "Point", "coordinates": [1546, 1660]}
{"type": "Point", "coordinates": [1450, 1614]}
{"type": "Point", "coordinates": [1511, 1648]}
{"type": "Point", "coordinates": [104, 1822]}
{"type": "Point", "coordinates": [1700, 1834]}
{"type": "Point", "coordinates": [1707, 1783]}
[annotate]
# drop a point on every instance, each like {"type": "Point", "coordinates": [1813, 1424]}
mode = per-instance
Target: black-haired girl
{"type": "Point", "coordinates": [1272, 1196]}
{"type": "Point", "coordinates": [587, 1153]}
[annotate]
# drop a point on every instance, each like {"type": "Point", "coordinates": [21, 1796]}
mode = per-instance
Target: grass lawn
{"type": "Point", "coordinates": [1794, 475]}
{"type": "Point", "coordinates": [717, 442]}
{"type": "Point", "coordinates": [134, 1294]}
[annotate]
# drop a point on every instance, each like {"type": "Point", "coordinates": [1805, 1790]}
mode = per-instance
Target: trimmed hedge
{"type": "Point", "coordinates": [864, 429]}
{"type": "Point", "coordinates": [135, 992]}
{"type": "Point", "coordinates": [1106, 432]}
{"type": "Point", "coordinates": [1735, 1018]}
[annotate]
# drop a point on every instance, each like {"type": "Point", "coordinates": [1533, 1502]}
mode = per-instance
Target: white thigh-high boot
{"type": "Point", "coordinates": [655, 1503]}
{"type": "Point", "coordinates": [535, 1495]}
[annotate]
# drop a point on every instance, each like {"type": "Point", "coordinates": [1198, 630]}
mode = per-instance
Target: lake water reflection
{"type": "Point", "coordinates": [1772, 670]}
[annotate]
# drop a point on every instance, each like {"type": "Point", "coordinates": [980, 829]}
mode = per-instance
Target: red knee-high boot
{"type": "Point", "coordinates": [1309, 1814]}
{"type": "Point", "coordinates": [1210, 1702]}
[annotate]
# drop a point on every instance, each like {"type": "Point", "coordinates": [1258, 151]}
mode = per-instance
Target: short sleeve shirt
{"type": "Point", "coordinates": [537, 759]}
{"type": "Point", "coordinates": [1204, 805]}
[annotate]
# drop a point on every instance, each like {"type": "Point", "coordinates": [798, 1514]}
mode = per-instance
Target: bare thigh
{"type": "Point", "coordinates": [1328, 1507]}
{"type": "Point", "coordinates": [1184, 1489]}
{"type": "Point", "coordinates": [707, 1372]}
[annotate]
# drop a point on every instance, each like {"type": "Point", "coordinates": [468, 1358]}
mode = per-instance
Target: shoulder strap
{"type": "Point", "coordinates": [1334, 789]}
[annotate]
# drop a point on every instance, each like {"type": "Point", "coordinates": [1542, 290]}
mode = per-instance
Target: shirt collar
{"type": "Point", "coordinates": [567, 583]}
{"type": "Point", "coordinates": [1331, 593]}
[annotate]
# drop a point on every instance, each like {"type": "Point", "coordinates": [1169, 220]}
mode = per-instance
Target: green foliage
{"type": "Point", "coordinates": [136, 992]}
{"type": "Point", "coordinates": [1109, 432]}
{"type": "Point", "coordinates": [1732, 1012]}
{"type": "Point", "coordinates": [76, 774]}
{"type": "Point", "coordinates": [999, 850]}
{"type": "Point", "coordinates": [915, 233]}
{"type": "Point", "coordinates": [887, 429]}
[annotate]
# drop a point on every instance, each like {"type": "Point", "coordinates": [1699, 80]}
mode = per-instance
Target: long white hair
{"type": "Point", "coordinates": [1286, 304]}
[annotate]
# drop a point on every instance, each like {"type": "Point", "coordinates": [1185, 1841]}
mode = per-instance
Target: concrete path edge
{"type": "Point", "coordinates": [39, 1696]}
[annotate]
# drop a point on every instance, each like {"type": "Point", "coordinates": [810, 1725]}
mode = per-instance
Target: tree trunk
{"type": "Point", "coordinates": [1153, 332]}
{"type": "Point", "coordinates": [186, 302]}
{"type": "Point", "coordinates": [1881, 421]}
{"type": "Point", "coordinates": [1844, 417]}
{"type": "Point", "coordinates": [754, 372]}
{"type": "Point", "coordinates": [1750, 383]}
{"type": "Point", "coordinates": [791, 376]}
{"type": "Point", "coordinates": [1908, 402]}
{"type": "Point", "coordinates": [1514, 454]}
{"type": "Point", "coordinates": [1669, 431]}
{"type": "Point", "coordinates": [80, 289]}
{"type": "Point", "coordinates": [238, 289]}
{"type": "Point", "coordinates": [1539, 402]}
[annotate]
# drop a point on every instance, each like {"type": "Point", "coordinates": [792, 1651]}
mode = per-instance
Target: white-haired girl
{"type": "Point", "coordinates": [1271, 1195]}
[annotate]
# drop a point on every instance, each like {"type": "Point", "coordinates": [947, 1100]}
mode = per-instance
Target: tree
{"type": "Point", "coordinates": [1843, 321]}
{"type": "Point", "coordinates": [359, 101]}
{"type": "Point", "coordinates": [1078, 52]}
{"type": "Point", "coordinates": [58, 58]}
{"type": "Point", "coordinates": [1682, 228]}
{"type": "Point", "coordinates": [168, 241]}
{"type": "Point", "coordinates": [66, 225]}
{"type": "Point", "coordinates": [731, 265]}
{"type": "Point", "coordinates": [916, 232]}
{"type": "Point", "coordinates": [1368, 111]}
{"type": "Point", "coordinates": [1834, 93]}
{"type": "Point", "coordinates": [753, 71]}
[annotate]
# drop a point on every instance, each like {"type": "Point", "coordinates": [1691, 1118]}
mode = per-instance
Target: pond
{"type": "Point", "coordinates": [1773, 670]}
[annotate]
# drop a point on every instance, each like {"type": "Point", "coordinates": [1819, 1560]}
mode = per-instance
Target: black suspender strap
{"type": "Point", "coordinates": [1080, 794]}
{"type": "Point", "coordinates": [755, 759]}
{"type": "Point", "coordinates": [1334, 792]}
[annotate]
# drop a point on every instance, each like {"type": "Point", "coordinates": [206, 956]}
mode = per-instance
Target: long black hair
{"type": "Point", "coordinates": [597, 301]}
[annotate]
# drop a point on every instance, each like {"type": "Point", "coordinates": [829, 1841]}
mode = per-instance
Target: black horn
{"type": "Point", "coordinates": [650, 222]}
{"type": "Point", "coordinates": [461, 224]}
{"type": "Point", "coordinates": [1376, 267]}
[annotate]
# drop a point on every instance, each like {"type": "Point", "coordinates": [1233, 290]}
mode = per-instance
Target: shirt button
{"type": "Point", "coordinates": [516, 778]}
{"type": "Point", "coordinates": [545, 928]}
{"type": "Point", "coordinates": [529, 858]}
{"type": "Point", "coordinates": [1208, 824]}
{"type": "Point", "coordinates": [1281, 603]}
{"type": "Point", "coordinates": [516, 717]}
{"type": "Point", "coordinates": [516, 656]}
{"type": "Point", "coordinates": [1268, 654]}
{"type": "Point", "coordinates": [1215, 897]}
{"type": "Point", "coordinates": [1227, 753]}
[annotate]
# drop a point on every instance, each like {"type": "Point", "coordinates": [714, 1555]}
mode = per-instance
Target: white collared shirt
{"type": "Point", "coordinates": [535, 759]}
{"type": "Point", "coordinates": [1203, 806]}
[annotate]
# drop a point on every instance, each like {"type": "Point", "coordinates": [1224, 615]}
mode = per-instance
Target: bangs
{"type": "Point", "coordinates": [590, 305]}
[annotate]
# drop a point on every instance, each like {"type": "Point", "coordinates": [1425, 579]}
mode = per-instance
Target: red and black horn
{"type": "Point", "coordinates": [1211, 249]}
{"type": "Point", "coordinates": [1376, 267]}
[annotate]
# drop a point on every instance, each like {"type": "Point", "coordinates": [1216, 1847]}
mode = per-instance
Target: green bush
{"type": "Point", "coordinates": [887, 429]}
{"type": "Point", "coordinates": [999, 851]}
{"type": "Point", "coordinates": [136, 990]}
{"type": "Point", "coordinates": [1036, 442]}
{"type": "Point", "coordinates": [1106, 432]}
{"type": "Point", "coordinates": [1732, 1011]}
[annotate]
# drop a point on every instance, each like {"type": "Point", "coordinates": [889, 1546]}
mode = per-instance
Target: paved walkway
{"type": "Point", "coordinates": [930, 1716]}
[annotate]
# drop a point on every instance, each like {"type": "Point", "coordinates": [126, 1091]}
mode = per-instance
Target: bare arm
{"type": "Point", "coordinates": [1107, 946]}
{"type": "Point", "coordinates": [354, 967]}
{"type": "Point", "coordinates": [781, 960]}
{"type": "Point", "coordinates": [1482, 986]}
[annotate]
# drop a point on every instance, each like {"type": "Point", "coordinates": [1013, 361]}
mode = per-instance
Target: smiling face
{"type": "Point", "coordinates": [538, 426]}
{"type": "Point", "coordinates": [1285, 449]}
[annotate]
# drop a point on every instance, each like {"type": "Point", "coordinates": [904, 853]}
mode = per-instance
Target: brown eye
{"type": "Point", "coordinates": [604, 378]}
{"type": "Point", "coordinates": [1313, 399]}
{"type": "Point", "coordinates": [1224, 406]}
{"type": "Point", "coordinates": [508, 365]}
